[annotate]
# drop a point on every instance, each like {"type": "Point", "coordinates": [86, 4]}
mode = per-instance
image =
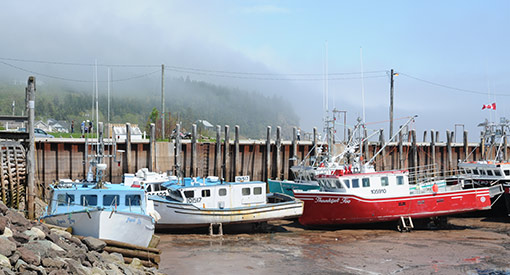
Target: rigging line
{"type": "Point", "coordinates": [76, 80]}
{"type": "Point", "coordinates": [266, 78]}
{"type": "Point", "coordinates": [450, 87]}
{"type": "Point", "coordinates": [384, 121]}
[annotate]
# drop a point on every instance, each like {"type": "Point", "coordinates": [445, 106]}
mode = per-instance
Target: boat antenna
{"type": "Point", "coordinates": [362, 82]}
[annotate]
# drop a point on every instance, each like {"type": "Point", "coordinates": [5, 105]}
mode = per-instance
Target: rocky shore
{"type": "Point", "coordinates": [31, 247]}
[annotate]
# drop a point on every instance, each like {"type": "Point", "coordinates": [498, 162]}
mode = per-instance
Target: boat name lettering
{"type": "Point", "coordinates": [378, 191]}
{"type": "Point", "coordinates": [193, 200]}
{"type": "Point", "coordinates": [332, 200]}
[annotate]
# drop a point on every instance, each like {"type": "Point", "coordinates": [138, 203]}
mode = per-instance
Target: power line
{"type": "Point", "coordinates": [76, 80]}
{"type": "Point", "coordinates": [450, 87]}
{"type": "Point", "coordinates": [77, 64]}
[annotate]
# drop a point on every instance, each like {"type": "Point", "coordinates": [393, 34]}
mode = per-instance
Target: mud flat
{"type": "Point", "coordinates": [468, 245]}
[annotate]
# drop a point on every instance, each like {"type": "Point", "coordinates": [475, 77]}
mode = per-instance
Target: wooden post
{"type": "Point", "coordinates": [400, 150]}
{"type": "Point", "coordinates": [237, 159]}
{"type": "Point", "coordinates": [178, 148]}
{"type": "Point", "coordinates": [383, 152]}
{"type": "Point", "coordinates": [194, 168]}
{"type": "Point", "coordinates": [30, 95]}
{"type": "Point", "coordinates": [424, 136]}
{"type": "Point", "coordinates": [268, 155]}
{"type": "Point", "coordinates": [128, 148]}
{"type": "Point", "coordinates": [433, 149]}
{"type": "Point", "coordinates": [448, 152]}
{"type": "Point", "coordinates": [152, 148]}
{"type": "Point", "coordinates": [217, 158]}
{"type": "Point", "coordinates": [278, 152]}
{"type": "Point", "coordinates": [466, 145]}
{"type": "Point", "coordinates": [226, 155]}
{"type": "Point", "coordinates": [437, 136]}
{"type": "Point", "coordinates": [162, 101]}
{"type": "Point", "coordinates": [294, 146]}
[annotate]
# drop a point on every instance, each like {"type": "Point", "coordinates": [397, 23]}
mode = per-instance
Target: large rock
{"type": "Point", "coordinates": [29, 256]}
{"type": "Point", "coordinates": [3, 223]}
{"type": "Point", "coordinates": [17, 218]}
{"type": "Point", "coordinates": [7, 232]}
{"type": "Point", "coordinates": [54, 263]}
{"type": "Point", "coordinates": [20, 237]}
{"type": "Point", "coordinates": [61, 233]}
{"type": "Point", "coordinates": [58, 272]}
{"type": "Point", "coordinates": [76, 268]}
{"type": "Point", "coordinates": [45, 248]}
{"type": "Point", "coordinates": [97, 271]}
{"type": "Point", "coordinates": [4, 262]}
{"type": "Point", "coordinates": [136, 263]}
{"type": "Point", "coordinates": [3, 208]}
{"type": "Point", "coordinates": [35, 234]}
{"type": "Point", "coordinates": [94, 244]}
{"type": "Point", "coordinates": [6, 247]}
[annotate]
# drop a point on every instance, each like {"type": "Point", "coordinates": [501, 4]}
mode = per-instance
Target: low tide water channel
{"type": "Point", "coordinates": [468, 245]}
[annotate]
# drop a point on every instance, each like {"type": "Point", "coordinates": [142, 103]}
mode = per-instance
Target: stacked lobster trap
{"type": "Point", "coordinates": [13, 173]}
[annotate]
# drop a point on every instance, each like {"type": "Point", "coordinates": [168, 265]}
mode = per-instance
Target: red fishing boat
{"type": "Point", "coordinates": [366, 196]}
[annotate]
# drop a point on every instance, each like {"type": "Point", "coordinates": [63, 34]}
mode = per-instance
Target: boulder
{"type": "Point", "coordinates": [45, 248]}
{"type": "Point", "coordinates": [3, 208]}
{"type": "Point", "coordinates": [58, 272]}
{"type": "Point", "coordinates": [94, 244]}
{"type": "Point", "coordinates": [16, 218]}
{"type": "Point", "coordinates": [76, 268]}
{"type": "Point", "coordinates": [54, 263]}
{"type": "Point", "coordinates": [61, 233]}
{"type": "Point", "coordinates": [3, 223]}
{"type": "Point", "coordinates": [97, 271]}
{"type": "Point", "coordinates": [35, 234]}
{"type": "Point", "coordinates": [6, 247]}
{"type": "Point", "coordinates": [7, 232]}
{"type": "Point", "coordinates": [29, 256]}
{"type": "Point", "coordinates": [4, 262]}
{"type": "Point", "coordinates": [136, 263]}
{"type": "Point", "coordinates": [21, 237]}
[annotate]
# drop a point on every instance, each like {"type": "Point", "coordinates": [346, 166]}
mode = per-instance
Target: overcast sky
{"type": "Point", "coordinates": [278, 47]}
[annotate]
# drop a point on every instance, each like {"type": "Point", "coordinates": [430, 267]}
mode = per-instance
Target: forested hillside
{"type": "Point", "coordinates": [186, 101]}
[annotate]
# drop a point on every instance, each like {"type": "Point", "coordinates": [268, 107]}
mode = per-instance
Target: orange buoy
{"type": "Point", "coordinates": [435, 188]}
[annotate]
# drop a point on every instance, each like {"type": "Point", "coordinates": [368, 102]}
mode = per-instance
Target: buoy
{"type": "Point", "coordinates": [435, 188]}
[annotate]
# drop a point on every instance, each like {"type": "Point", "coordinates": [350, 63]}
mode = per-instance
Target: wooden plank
{"type": "Point", "coordinates": [2, 175]}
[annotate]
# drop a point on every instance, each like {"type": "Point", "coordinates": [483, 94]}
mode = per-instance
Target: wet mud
{"type": "Point", "coordinates": [465, 245]}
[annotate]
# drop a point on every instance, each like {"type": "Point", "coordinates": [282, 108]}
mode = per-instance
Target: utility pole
{"type": "Point", "coordinates": [391, 101]}
{"type": "Point", "coordinates": [162, 101]}
{"type": "Point", "coordinates": [30, 95]}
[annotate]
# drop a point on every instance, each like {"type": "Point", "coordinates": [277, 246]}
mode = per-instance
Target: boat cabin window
{"type": "Point", "coordinates": [246, 191]}
{"type": "Point", "coordinates": [65, 199]}
{"type": "Point", "coordinates": [149, 188]}
{"type": "Point", "coordinates": [384, 181]}
{"type": "Point", "coordinates": [475, 171]}
{"type": "Point", "coordinates": [338, 184]}
{"type": "Point", "coordinates": [355, 183]}
{"type": "Point", "coordinates": [206, 193]}
{"type": "Point", "coordinates": [88, 200]}
{"type": "Point", "coordinates": [222, 192]}
{"type": "Point", "coordinates": [366, 182]}
{"type": "Point", "coordinates": [497, 173]}
{"type": "Point", "coordinates": [109, 200]}
{"type": "Point", "coordinates": [489, 172]}
{"type": "Point", "coordinates": [189, 193]}
{"type": "Point", "coordinates": [400, 180]}
{"type": "Point", "coordinates": [257, 190]}
{"type": "Point", "coordinates": [507, 172]}
{"type": "Point", "coordinates": [347, 183]}
{"type": "Point", "coordinates": [482, 172]}
{"type": "Point", "coordinates": [133, 200]}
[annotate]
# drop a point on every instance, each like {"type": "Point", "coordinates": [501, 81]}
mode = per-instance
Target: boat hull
{"type": "Point", "coordinates": [119, 226]}
{"type": "Point", "coordinates": [323, 208]}
{"type": "Point", "coordinates": [287, 187]}
{"type": "Point", "coordinates": [184, 215]}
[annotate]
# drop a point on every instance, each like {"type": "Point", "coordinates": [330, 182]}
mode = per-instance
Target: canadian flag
{"type": "Point", "coordinates": [489, 106]}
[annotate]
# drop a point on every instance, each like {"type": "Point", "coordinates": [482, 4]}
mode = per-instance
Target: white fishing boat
{"type": "Point", "coordinates": [99, 209]}
{"type": "Point", "coordinates": [151, 182]}
{"type": "Point", "coordinates": [196, 202]}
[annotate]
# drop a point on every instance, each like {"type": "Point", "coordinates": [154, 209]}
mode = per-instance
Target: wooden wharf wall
{"type": "Point", "coordinates": [64, 158]}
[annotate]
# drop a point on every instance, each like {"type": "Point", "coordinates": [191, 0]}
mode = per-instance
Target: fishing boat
{"type": "Point", "coordinates": [360, 194]}
{"type": "Point", "coordinates": [369, 196]}
{"type": "Point", "coordinates": [151, 182]}
{"type": "Point", "coordinates": [99, 209]}
{"type": "Point", "coordinates": [202, 202]}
